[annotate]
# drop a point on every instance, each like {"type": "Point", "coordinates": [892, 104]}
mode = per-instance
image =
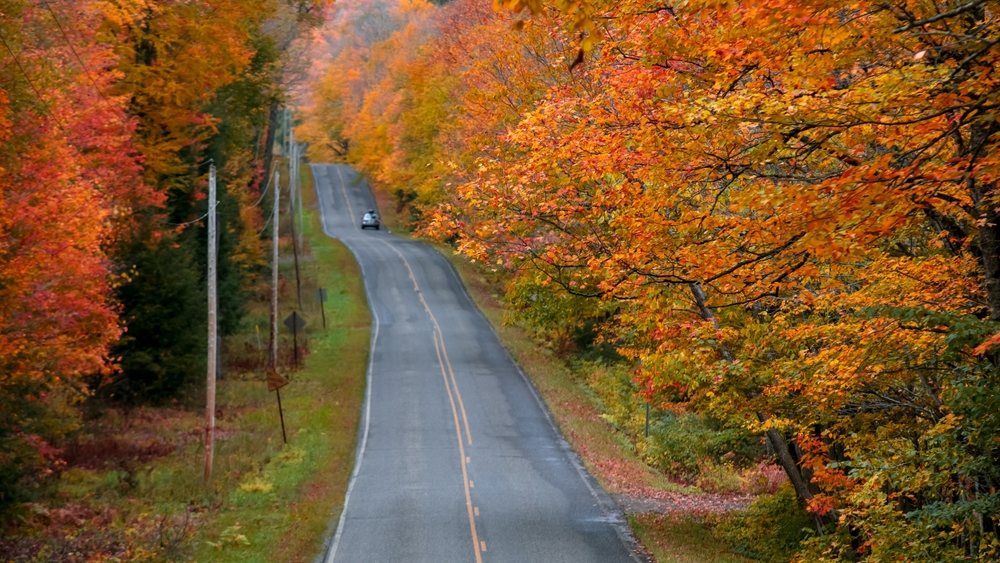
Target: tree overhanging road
{"type": "Point", "coordinates": [457, 458]}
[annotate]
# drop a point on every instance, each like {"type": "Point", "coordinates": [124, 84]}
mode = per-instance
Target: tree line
{"type": "Point", "coordinates": [110, 113]}
{"type": "Point", "coordinates": [783, 214]}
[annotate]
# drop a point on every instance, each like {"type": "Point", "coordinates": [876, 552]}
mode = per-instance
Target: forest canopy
{"type": "Point", "coordinates": [783, 214]}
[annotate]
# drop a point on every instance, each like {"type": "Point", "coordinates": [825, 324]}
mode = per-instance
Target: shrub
{"type": "Point", "coordinates": [683, 445]}
{"type": "Point", "coordinates": [771, 529]}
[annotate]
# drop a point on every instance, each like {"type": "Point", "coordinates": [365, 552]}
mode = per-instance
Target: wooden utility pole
{"type": "Point", "coordinates": [298, 195]}
{"type": "Point", "coordinates": [291, 179]}
{"type": "Point", "coordinates": [292, 168]}
{"type": "Point", "coordinates": [212, 326]}
{"type": "Point", "coordinates": [272, 361]}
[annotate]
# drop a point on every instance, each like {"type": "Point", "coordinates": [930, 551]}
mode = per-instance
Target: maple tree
{"type": "Point", "coordinates": [786, 210]}
{"type": "Point", "coordinates": [68, 166]}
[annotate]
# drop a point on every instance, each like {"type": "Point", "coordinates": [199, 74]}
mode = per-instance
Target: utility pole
{"type": "Point", "coordinates": [273, 359]}
{"type": "Point", "coordinates": [298, 187]}
{"type": "Point", "coordinates": [291, 173]}
{"type": "Point", "coordinates": [212, 326]}
{"type": "Point", "coordinates": [292, 158]}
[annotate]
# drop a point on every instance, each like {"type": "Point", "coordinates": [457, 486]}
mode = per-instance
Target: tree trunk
{"type": "Point", "coordinates": [989, 245]}
{"type": "Point", "coordinates": [775, 438]}
{"type": "Point", "coordinates": [986, 211]}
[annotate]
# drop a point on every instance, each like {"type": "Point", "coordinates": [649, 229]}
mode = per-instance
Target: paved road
{"type": "Point", "coordinates": [457, 459]}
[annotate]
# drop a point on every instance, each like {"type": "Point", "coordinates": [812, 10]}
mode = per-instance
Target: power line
{"type": "Point", "coordinates": [188, 223]}
{"type": "Point", "coordinates": [266, 223]}
{"type": "Point", "coordinates": [264, 193]}
{"type": "Point", "coordinates": [274, 210]}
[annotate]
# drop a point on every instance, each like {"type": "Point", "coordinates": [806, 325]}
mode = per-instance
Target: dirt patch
{"type": "Point", "coordinates": [101, 453]}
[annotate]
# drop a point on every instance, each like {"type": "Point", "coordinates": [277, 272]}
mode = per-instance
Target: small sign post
{"type": "Point", "coordinates": [321, 297]}
{"type": "Point", "coordinates": [274, 383]}
{"type": "Point", "coordinates": [295, 323]}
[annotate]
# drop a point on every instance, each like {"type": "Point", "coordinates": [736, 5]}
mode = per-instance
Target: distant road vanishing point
{"type": "Point", "coordinates": [457, 459]}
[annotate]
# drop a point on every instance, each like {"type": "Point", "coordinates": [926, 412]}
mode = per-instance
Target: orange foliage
{"type": "Point", "coordinates": [789, 209]}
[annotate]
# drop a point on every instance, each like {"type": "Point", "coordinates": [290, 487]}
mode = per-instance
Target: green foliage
{"type": "Point", "coordinates": [230, 276]}
{"type": "Point", "coordinates": [163, 303]}
{"type": "Point", "coordinates": [28, 430]}
{"type": "Point", "coordinates": [680, 443]}
{"type": "Point", "coordinates": [567, 321]}
{"type": "Point", "coordinates": [686, 446]}
{"type": "Point", "coordinates": [770, 529]}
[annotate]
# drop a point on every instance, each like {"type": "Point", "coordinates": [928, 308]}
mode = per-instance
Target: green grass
{"type": "Point", "coordinates": [674, 539]}
{"type": "Point", "coordinates": [283, 505]}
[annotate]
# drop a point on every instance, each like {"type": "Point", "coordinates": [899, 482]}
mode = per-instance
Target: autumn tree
{"type": "Point", "coordinates": [791, 202]}
{"type": "Point", "coordinates": [783, 210]}
{"type": "Point", "coordinates": [68, 170]}
{"type": "Point", "coordinates": [109, 112]}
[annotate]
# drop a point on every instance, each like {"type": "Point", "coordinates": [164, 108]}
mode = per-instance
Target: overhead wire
{"type": "Point", "coordinates": [266, 187]}
{"type": "Point", "coordinates": [189, 222]}
{"type": "Point", "coordinates": [277, 193]}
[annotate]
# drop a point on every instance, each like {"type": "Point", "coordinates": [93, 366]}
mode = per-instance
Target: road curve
{"type": "Point", "coordinates": [457, 458]}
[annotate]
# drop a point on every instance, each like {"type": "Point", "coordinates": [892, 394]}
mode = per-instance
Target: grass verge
{"type": "Point", "coordinates": [677, 539]}
{"type": "Point", "coordinates": [283, 507]}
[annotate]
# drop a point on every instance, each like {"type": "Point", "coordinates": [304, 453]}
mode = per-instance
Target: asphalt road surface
{"type": "Point", "coordinates": [457, 459]}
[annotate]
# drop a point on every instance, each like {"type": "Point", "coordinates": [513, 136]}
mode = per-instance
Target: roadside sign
{"type": "Point", "coordinates": [321, 297]}
{"type": "Point", "coordinates": [274, 383]}
{"type": "Point", "coordinates": [274, 380]}
{"type": "Point", "coordinates": [295, 322]}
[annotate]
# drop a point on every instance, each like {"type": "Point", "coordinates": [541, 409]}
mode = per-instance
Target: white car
{"type": "Point", "coordinates": [371, 220]}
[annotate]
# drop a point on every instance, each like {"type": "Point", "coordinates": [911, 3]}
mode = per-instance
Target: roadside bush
{"type": "Point", "coordinates": [36, 416]}
{"type": "Point", "coordinates": [679, 444]}
{"type": "Point", "coordinates": [770, 529]}
{"type": "Point", "coordinates": [685, 446]}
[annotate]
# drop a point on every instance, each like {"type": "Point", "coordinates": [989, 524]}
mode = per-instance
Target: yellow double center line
{"type": "Point", "coordinates": [451, 386]}
{"type": "Point", "coordinates": [453, 394]}
{"type": "Point", "coordinates": [439, 346]}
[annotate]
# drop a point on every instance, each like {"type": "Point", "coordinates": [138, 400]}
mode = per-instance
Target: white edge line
{"type": "Point", "coordinates": [368, 396]}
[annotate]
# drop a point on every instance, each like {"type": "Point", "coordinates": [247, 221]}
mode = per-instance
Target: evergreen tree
{"type": "Point", "coordinates": [164, 346]}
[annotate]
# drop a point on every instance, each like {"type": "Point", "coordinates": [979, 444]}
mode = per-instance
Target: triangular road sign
{"type": "Point", "coordinates": [274, 380]}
